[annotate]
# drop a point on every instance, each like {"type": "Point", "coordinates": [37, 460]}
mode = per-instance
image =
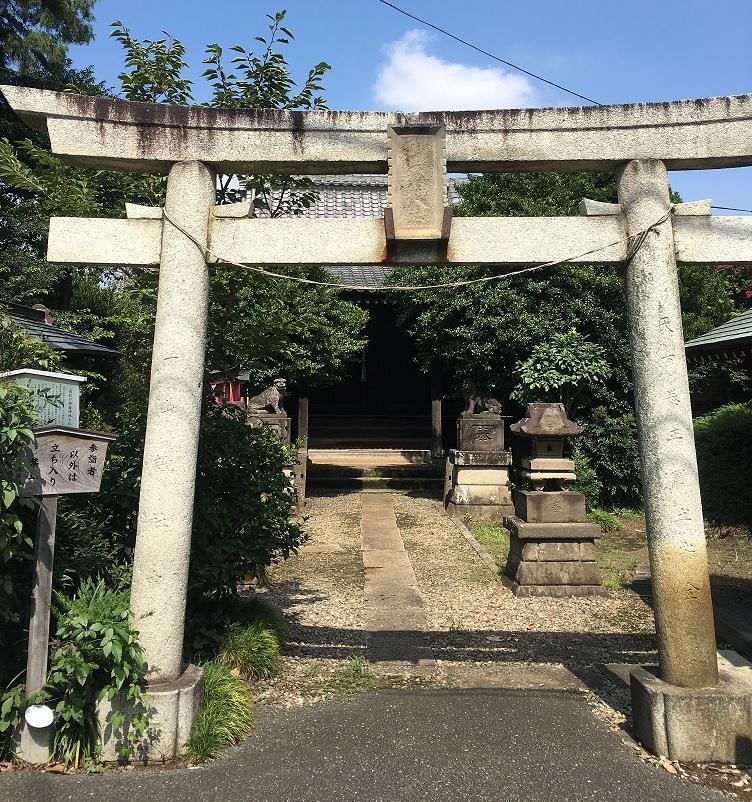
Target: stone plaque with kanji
{"type": "Point", "coordinates": [66, 460]}
{"type": "Point", "coordinates": [480, 432]}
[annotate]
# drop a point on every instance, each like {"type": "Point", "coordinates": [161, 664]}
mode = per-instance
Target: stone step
{"type": "Point", "coordinates": [379, 456]}
{"type": "Point", "coordinates": [434, 485]}
{"type": "Point", "coordinates": [419, 471]}
{"type": "Point", "coordinates": [356, 441]}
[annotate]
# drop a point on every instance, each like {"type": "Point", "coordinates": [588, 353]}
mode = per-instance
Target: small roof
{"type": "Point", "coordinates": [43, 374]}
{"type": "Point", "coordinates": [70, 431]}
{"type": "Point", "coordinates": [733, 336]}
{"type": "Point", "coordinates": [34, 323]}
{"type": "Point", "coordinates": [546, 420]}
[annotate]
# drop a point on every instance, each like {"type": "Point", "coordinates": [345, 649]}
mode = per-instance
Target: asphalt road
{"type": "Point", "coordinates": [400, 746]}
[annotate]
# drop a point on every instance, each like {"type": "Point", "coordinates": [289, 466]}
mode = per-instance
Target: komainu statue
{"type": "Point", "coordinates": [270, 401]}
{"type": "Point", "coordinates": [476, 402]}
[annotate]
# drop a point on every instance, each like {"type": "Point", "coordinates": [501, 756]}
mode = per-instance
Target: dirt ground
{"type": "Point", "coordinates": [474, 621]}
{"type": "Point", "coordinates": [622, 553]}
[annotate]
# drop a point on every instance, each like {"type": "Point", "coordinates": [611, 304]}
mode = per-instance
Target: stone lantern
{"type": "Point", "coordinates": [552, 545]}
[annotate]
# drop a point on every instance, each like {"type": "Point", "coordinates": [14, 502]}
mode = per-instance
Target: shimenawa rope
{"type": "Point", "coordinates": [634, 243]}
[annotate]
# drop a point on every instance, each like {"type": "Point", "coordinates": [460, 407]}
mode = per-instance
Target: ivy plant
{"type": "Point", "coordinates": [95, 657]}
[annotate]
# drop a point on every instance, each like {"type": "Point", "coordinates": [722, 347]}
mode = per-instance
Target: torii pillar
{"type": "Point", "coordinates": [165, 514]}
{"type": "Point", "coordinates": [692, 711]}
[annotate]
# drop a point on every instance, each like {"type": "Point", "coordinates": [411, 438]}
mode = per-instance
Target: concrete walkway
{"type": "Point", "coordinates": [394, 617]}
{"type": "Point", "coordinates": [399, 746]}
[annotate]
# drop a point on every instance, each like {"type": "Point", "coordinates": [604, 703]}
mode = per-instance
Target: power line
{"type": "Point", "coordinates": [731, 209]}
{"type": "Point", "coordinates": [486, 53]}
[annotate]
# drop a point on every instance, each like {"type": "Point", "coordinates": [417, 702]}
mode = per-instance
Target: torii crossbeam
{"type": "Point", "coordinates": [640, 142]}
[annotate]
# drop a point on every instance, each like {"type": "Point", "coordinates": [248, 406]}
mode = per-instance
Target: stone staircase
{"type": "Point", "coordinates": [374, 469]}
{"type": "Point", "coordinates": [369, 432]}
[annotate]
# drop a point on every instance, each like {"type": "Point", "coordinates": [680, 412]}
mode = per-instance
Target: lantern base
{"type": "Point", "coordinates": [553, 559]}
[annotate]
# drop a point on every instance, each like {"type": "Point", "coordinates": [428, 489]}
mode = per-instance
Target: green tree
{"type": "Point", "coordinates": [561, 369]}
{"type": "Point", "coordinates": [495, 333]}
{"type": "Point", "coordinates": [274, 327]}
{"type": "Point", "coordinates": [16, 420]}
{"type": "Point", "coordinates": [35, 34]}
{"type": "Point", "coordinates": [487, 329]}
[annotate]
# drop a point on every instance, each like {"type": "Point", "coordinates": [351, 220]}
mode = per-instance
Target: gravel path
{"type": "Point", "coordinates": [475, 619]}
{"type": "Point", "coordinates": [320, 592]}
{"type": "Point", "coordinates": [474, 622]}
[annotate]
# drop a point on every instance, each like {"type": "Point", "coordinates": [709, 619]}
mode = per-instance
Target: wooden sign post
{"type": "Point", "coordinates": [65, 460]}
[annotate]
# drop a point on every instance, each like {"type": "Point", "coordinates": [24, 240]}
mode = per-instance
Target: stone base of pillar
{"type": "Point", "coordinates": [492, 513]}
{"type": "Point", "coordinates": [173, 709]}
{"type": "Point", "coordinates": [477, 484]}
{"type": "Point", "coordinates": [553, 559]}
{"type": "Point", "coordinates": [696, 725]}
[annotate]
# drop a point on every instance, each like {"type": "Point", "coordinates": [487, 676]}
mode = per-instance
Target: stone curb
{"type": "Point", "coordinates": [485, 556]}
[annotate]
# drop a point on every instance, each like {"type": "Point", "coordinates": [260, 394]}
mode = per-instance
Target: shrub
{"type": "Point", "coordinates": [244, 503]}
{"type": "Point", "coordinates": [225, 718]}
{"type": "Point", "coordinates": [16, 528]}
{"type": "Point", "coordinates": [16, 421]}
{"type": "Point", "coordinates": [96, 532]}
{"type": "Point", "coordinates": [587, 481]}
{"type": "Point", "coordinates": [210, 619]}
{"type": "Point", "coordinates": [560, 369]}
{"type": "Point", "coordinates": [724, 455]}
{"type": "Point", "coordinates": [13, 702]}
{"type": "Point", "coordinates": [609, 446]}
{"type": "Point", "coordinates": [252, 649]}
{"type": "Point", "coordinates": [95, 655]}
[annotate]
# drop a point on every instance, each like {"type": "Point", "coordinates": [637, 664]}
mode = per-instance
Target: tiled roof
{"type": "Point", "coordinates": [732, 336]}
{"type": "Point", "coordinates": [361, 275]}
{"type": "Point", "coordinates": [33, 322]}
{"type": "Point", "coordinates": [356, 196]}
{"type": "Point", "coordinates": [359, 196]}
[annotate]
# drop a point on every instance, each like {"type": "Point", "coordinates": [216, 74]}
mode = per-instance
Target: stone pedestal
{"type": "Point", "coordinates": [477, 484]}
{"type": "Point", "coordinates": [32, 744]}
{"type": "Point", "coordinates": [173, 707]}
{"type": "Point", "coordinates": [552, 559]}
{"type": "Point", "coordinates": [696, 725]}
{"type": "Point", "coordinates": [552, 507]}
{"type": "Point", "coordinates": [278, 423]}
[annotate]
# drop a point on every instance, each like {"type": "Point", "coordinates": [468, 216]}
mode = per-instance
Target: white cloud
{"type": "Point", "coordinates": [413, 80]}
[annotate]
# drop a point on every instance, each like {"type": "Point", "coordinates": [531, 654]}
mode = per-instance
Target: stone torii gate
{"type": "Point", "coordinates": [690, 712]}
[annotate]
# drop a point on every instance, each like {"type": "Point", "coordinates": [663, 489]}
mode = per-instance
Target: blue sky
{"type": "Point", "coordinates": [612, 51]}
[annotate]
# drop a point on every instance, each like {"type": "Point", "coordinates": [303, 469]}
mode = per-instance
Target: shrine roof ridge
{"type": "Point", "coordinates": [114, 133]}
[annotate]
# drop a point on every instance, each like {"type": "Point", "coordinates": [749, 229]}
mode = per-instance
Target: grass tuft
{"type": "Point", "coordinates": [225, 718]}
{"type": "Point", "coordinates": [355, 677]}
{"type": "Point", "coordinates": [614, 581]}
{"type": "Point", "coordinates": [252, 649]}
{"type": "Point", "coordinates": [608, 523]}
